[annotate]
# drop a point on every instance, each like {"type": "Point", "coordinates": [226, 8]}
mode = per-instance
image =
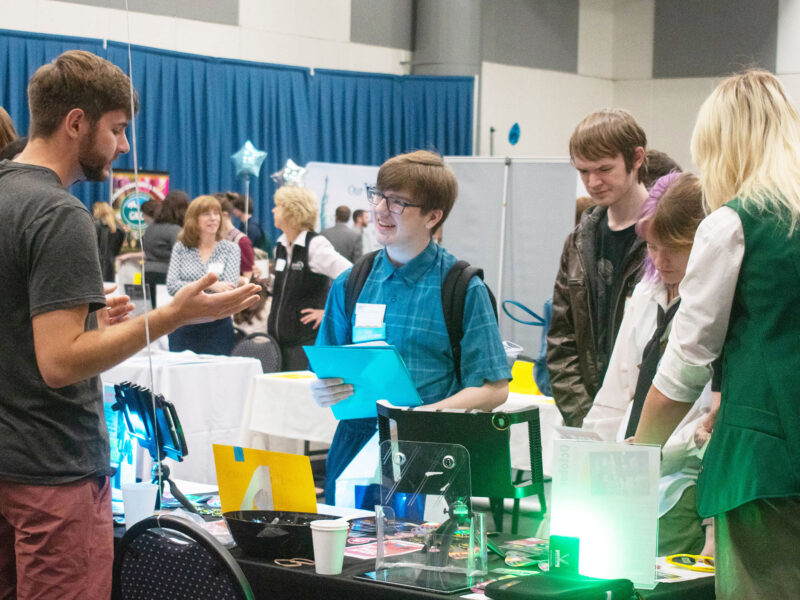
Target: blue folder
{"type": "Point", "coordinates": [376, 372]}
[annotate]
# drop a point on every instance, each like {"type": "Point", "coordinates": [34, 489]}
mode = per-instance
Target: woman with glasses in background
{"type": "Point", "coordinates": [305, 264]}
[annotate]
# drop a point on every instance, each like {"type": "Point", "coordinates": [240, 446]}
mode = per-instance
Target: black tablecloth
{"type": "Point", "coordinates": [270, 581]}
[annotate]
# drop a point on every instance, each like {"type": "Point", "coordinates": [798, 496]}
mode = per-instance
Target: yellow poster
{"type": "Point", "coordinates": [251, 479]}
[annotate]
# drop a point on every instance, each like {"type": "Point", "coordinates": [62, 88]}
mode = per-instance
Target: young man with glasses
{"type": "Point", "coordinates": [413, 196]}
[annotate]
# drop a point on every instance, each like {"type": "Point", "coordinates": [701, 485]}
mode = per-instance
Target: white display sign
{"type": "Point", "coordinates": [606, 494]}
{"type": "Point", "coordinates": [336, 185]}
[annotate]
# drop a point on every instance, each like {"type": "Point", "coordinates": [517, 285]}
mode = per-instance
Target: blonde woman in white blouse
{"type": "Point", "coordinates": [200, 249]}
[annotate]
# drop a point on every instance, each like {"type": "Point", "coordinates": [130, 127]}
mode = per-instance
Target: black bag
{"type": "Point", "coordinates": [552, 585]}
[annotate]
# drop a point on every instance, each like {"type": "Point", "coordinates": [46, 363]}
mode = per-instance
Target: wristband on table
{"type": "Point", "coordinates": [693, 562]}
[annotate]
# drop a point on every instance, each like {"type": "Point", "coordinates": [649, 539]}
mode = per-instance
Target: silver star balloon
{"type": "Point", "coordinates": [247, 160]}
{"type": "Point", "coordinates": [290, 174]}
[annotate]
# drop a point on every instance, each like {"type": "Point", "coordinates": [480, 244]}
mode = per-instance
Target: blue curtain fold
{"type": "Point", "coordinates": [196, 111]}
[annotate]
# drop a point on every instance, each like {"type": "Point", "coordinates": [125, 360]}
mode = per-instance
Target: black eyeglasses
{"type": "Point", "coordinates": [395, 204]}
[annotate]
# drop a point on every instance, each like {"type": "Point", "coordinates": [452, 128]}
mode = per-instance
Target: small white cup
{"type": "Point", "coordinates": [138, 501]}
{"type": "Point", "coordinates": [329, 537]}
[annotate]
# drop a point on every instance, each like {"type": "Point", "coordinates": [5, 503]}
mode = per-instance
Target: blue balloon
{"type": "Point", "coordinates": [513, 134]}
{"type": "Point", "coordinates": [290, 174]}
{"type": "Point", "coordinates": [247, 160]}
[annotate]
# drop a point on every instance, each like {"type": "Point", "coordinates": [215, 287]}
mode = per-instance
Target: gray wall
{"type": "Point", "coordinates": [539, 34]}
{"type": "Point", "coordinates": [388, 23]}
{"type": "Point", "coordinates": [225, 12]}
{"type": "Point", "coordinates": [709, 38]}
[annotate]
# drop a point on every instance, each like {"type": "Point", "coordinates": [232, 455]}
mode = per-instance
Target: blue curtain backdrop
{"type": "Point", "coordinates": [196, 111]}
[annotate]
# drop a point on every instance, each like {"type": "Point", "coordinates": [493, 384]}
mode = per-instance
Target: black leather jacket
{"type": "Point", "coordinates": [575, 362]}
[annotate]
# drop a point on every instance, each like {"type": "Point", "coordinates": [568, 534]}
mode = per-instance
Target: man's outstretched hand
{"type": "Point", "coordinates": [193, 305]}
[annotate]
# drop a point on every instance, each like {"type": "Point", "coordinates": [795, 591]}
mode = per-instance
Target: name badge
{"type": "Point", "coordinates": [369, 315]}
{"type": "Point", "coordinates": [216, 267]}
{"type": "Point", "coordinates": [280, 265]}
{"type": "Point", "coordinates": [369, 325]}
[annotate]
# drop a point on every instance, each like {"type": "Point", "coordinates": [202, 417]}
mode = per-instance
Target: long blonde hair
{"type": "Point", "coordinates": [103, 212]}
{"type": "Point", "coordinates": [747, 144]}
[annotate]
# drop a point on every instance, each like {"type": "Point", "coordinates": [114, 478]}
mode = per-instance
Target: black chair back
{"type": "Point", "coordinates": [168, 557]}
{"type": "Point", "coordinates": [486, 435]}
{"type": "Point", "coordinates": [263, 347]}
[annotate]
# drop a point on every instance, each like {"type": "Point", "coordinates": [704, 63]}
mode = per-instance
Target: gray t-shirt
{"type": "Point", "coordinates": [48, 261]}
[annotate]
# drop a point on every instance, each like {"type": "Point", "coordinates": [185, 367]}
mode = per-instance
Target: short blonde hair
{"type": "Point", "coordinates": [299, 206]}
{"type": "Point", "coordinates": [189, 236]}
{"type": "Point", "coordinates": [747, 144]}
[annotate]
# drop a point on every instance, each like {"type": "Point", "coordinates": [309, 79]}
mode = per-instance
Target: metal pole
{"type": "Point", "coordinates": [503, 208]}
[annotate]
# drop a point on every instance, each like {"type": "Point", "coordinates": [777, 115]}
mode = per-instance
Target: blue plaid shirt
{"type": "Point", "coordinates": [415, 323]}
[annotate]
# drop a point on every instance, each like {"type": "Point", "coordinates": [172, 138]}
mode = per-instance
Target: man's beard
{"type": "Point", "coordinates": [93, 164]}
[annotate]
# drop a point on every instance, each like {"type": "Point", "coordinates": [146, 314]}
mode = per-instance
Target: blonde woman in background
{"type": "Point", "coordinates": [7, 132]}
{"type": "Point", "coordinates": [305, 264]}
{"type": "Point", "coordinates": [741, 300]}
{"type": "Point", "coordinates": [110, 237]}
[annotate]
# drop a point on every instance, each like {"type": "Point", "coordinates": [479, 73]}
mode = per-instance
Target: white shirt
{"type": "Point", "coordinates": [612, 405]}
{"type": "Point", "coordinates": [701, 323]}
{"type": "Point", "coordinates": [323, 259]}
{"type": "Point", "coordinates": [368, 241]}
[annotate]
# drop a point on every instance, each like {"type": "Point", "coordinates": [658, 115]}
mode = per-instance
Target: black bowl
{"type": "Point", "coordinates": [273, 533]}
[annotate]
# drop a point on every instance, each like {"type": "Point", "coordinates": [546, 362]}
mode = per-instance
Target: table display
{"type": "Point", "coordinates": [208, 393]}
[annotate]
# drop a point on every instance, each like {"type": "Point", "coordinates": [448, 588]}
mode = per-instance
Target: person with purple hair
{"type": "Point", "coordinates": [667, 222]}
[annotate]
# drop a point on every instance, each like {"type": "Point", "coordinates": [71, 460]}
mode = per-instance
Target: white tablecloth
{"type": "Point", "coordinates": [208, 393]}
{"type": "Point", "coordinates": [280, 404]}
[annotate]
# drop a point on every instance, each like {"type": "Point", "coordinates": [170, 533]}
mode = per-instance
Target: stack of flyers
{"type": "Point", "coordinates": [536, 548]}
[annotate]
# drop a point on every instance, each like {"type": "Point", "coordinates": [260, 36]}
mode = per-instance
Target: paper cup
{"type": "Point", "coordinates": [139, 501]}
{"type": "Point", "coordinates": [329, 537]}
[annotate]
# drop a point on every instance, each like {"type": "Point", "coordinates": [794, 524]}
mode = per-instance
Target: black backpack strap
{"type": "Point", "coordinates": [454, 296]}
{"type": "Point", "coordinates": [355, 283]}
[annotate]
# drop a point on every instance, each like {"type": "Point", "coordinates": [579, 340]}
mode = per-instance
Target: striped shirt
{"type": "Point", "coordinates": [186, 266]}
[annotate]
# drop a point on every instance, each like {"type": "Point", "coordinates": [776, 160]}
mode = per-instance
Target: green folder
{"type": "Point", "coordinates": [376, 372]}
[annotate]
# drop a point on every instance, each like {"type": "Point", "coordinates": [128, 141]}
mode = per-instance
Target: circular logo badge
{"type": "Point", "coordinates": [131, 210]}
{"type": "Point", "coordinates": [513, 134]}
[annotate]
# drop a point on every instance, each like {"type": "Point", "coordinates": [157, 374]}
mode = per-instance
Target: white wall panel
{"type": "Point", "coordinates": [546, 104]}
{"type": "Point", "coordinates": [596, 39]}
{"type": "Point", "coordinates": [328, 20]}
{"type": "Point", "coordinates": [788, 51]}
{"type": "Point", "coordinates": [308, 33]}
{"type": "Point", "coordinates": [633, 38]}
{"type": "Point", "coordinates": [667, 110]}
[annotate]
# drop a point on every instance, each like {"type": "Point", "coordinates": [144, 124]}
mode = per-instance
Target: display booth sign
{"type": "Point", "coordinates": [127, 197]}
